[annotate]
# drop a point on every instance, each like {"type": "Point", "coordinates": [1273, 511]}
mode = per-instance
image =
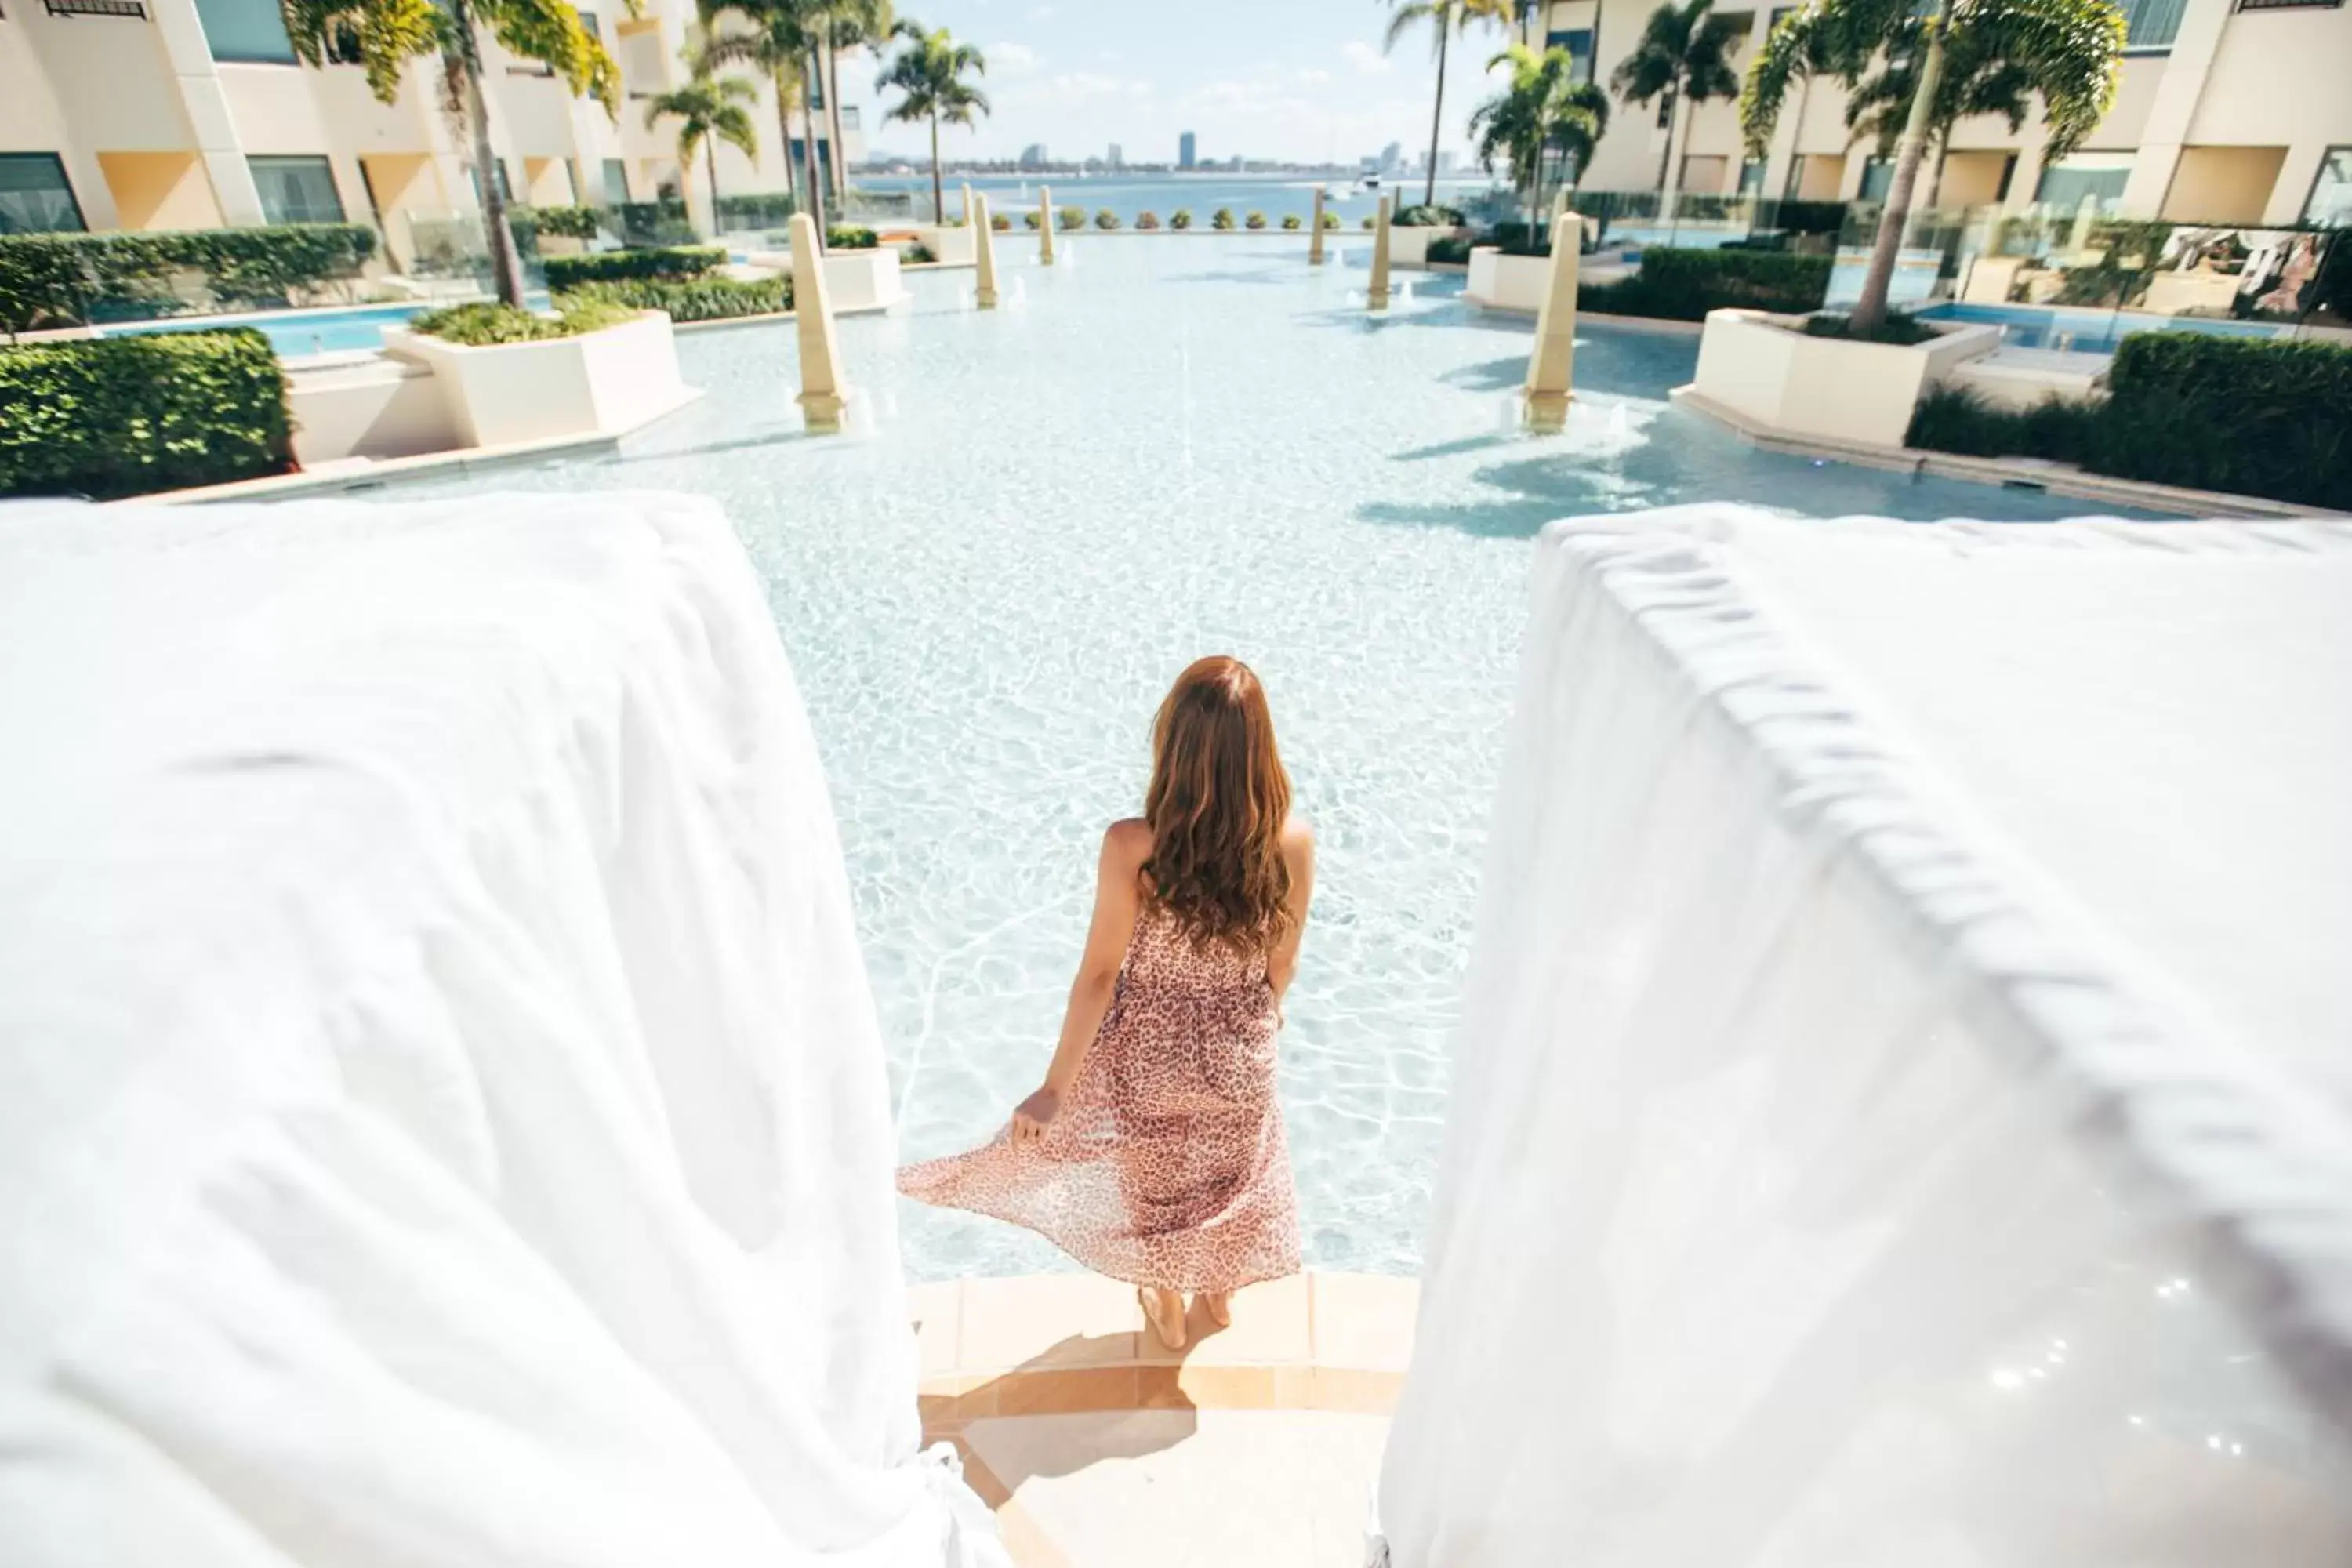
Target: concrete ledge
{"type": "Point", "coordinates": [2058, 478]}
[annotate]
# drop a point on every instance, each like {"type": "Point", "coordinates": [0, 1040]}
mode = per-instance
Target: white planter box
{"type": "Point", "coordinates": [864, 280]}
{"type": "Point", "coordinates": [1763, 368]}
{"type": "Point", "coordinates": [1501, 282]}
{"type": "Point", "coordinates": [378, 408]}
{"type": "Point", "coordinates": [604, 382]}
{"type": "Point", "coordinates": [1409, 247]}
{"type": "Point", "coordinates": [953, 247]}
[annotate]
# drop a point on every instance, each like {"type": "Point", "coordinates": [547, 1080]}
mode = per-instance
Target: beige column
{"type": "Point", "coordinates": [984, 242]}
{"type": "Point", "coordinates": [967, 205]}
{"type": "Point", "coordinates": [824, 393]}
{"type": "Point", "coordinates": [204, 101]}
{"type": "Point", "coordinates": [2179, 91]}
{"type": "Point", "coordinates": [1315, 239]}
{"type": "Point", "coordinates": [1559, 211]}
{"type": "Point", "coordinates": [1551, 368]}
{"type": "Point", "coordinates": [1044, 226]}
{"type": "Point", "coordinates": [1377, 297]}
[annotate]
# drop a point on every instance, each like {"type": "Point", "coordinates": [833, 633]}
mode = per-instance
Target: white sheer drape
{"type": "Point", "coordinates": [441, 1117]}
{"type": "Point", "coordinates": [1895, 1119]}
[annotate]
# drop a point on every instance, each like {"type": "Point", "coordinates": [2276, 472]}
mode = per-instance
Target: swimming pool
{"type": "Point", "coordinates": [1168, 449]}
{"type": "Point", "coordinates": [2086, 332]}
{"type": "Point", "coordinates": [294, 333]}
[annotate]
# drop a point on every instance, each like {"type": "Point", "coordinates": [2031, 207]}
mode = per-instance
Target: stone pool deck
{"type": "Point", "coordinates": [1096, 1444]}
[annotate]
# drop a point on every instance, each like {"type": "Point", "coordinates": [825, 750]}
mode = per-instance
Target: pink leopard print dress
{"type": "Point", "coordinates": [1167, 1164]}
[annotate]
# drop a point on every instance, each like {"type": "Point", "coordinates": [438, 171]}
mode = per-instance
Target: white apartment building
{"type": "Point", "coordinates": [166, 114]}
{"type": "Point", "coordinates": [2229, 111]}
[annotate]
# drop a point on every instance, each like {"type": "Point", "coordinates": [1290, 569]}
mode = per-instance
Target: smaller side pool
{"type": "Point", "coordinates": [294, 333]}
{"type": "Point", "coordinates": [2086, 332]}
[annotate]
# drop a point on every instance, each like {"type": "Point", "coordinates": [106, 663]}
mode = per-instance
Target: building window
{"type": "Point", "coordinates": [1751, 178]}
{"type": "Point", "coordinates": [297, 190]}
{"type": "Point", "coordinates": [2151, 24]}
{"type": "Point", "coordinates": [35, 195]}
{"type": "Point", "coordinates": [1578, 42]}
{"type": "Point", "coordinates": [588, 24]}
{"type": "Point", "coordinates": [1877, 176]}
{"type": "Point", "coordinates": [2331, 192]}
{"type": "Point", "coordinates": [2289, 4]}
{"type": "Point", "coordinates": [2064, 188]}
{"type": "Point", "coordinates": [246, 31]}
{"type": "Point", "coordinates": [617, 183]}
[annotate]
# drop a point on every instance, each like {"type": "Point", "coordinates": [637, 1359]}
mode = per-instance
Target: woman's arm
{"type": "Point", "coordinates": [1298, 848]}
{"type": "Point", "coordinates": [1124, 848]}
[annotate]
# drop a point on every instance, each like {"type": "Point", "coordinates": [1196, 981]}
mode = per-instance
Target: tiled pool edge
{"type": "Point", "coordinates": [2004, 473]}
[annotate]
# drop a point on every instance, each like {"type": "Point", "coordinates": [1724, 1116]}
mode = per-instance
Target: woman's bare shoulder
{"type": "Point", "coordinates": [1128, 840]}
{"type": "Point", "coordinates": [1298, 840]}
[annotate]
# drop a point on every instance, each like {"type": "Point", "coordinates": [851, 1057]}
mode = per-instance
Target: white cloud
{"type": "Point", "coordinates": [1011, 59]}
{"type": "Point", "coordinates": [1088, 84]}
{"type": "Point", "coordinates": [1041, 13]}
{"type": "Point", "coordinates": [1314, 76]}
{"type": "Point", "coordinates": [1364, 57]}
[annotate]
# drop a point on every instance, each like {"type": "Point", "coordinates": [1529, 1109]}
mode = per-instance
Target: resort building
{"type": "Point", "coordinates": [176, 114]}
{"type": "Point", "coordinates": [2229, 111]}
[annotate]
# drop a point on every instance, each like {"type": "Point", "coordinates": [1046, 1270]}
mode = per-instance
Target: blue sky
{"type": "Point", "coordinates": [1300, 80]}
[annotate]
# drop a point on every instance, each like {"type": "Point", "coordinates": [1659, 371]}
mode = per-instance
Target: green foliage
{"type": "Point", "coordinates": [1451, 248]}
{"type": "Point", "coordinates": [1068, 219]}
{"type": "Point", "coordinates": [1423, 215]}
{"type": "Point", "coordinates": [1181, 219]}
{"type": "Point", "coordinates": [1447, 19]}
{"type": "Point", "coordinates": [66, 280]}
{"type": "Point", "coordinates": [1684, 285]}
{"type": "Point", "coordinates": [848, 236]}
{"type": "Point", "coordinates": [654, 224]}
{"type": "Point", "coordinates": [1255, 220]}
{"type": "Point", "coordinates": [1292, 221]}
{"type": "Point", "coordinates": [1029, 219]}
{"type": "Point", "coordinates": [921, 255]}
{"type": "Point", "coordinates": [2127, 250]}
{"type": "Point", "coordinates": [1222, 218]}
{"type": "Point", "coordinates": [1542, 114]}
{"type": "Point", "coordinates": [928, 76]}
{"type": "Point", "coordinates": [670, 261]}
{"type": "Point", "coordinates": [1366, 225]}
{"type": "Point", "coordinates": [1147, 220]}
{"type": "Point", "coordinates": [687, 299]}
{"type": "Point", "coordinates": [1900, 330]}
{"type": "Point", "coordinates": [2246, 415]}
{"type": "Point", "coordinates": [759, 209]}
{"type": "Point", "coordinates": [119, 416]}
{"type": "Point", "coordinates": [482, 323]}
{"type": "Point", "coordinates": [999, 222]}
{"type": "Point", "coordinates": [1106, 219]}
{"type": "Point", "coordinates": [1330, 220]}
{"type": "Point", "coordinates": [1959, 419]}
{"type": "Point", "coordinates": [572, 223]}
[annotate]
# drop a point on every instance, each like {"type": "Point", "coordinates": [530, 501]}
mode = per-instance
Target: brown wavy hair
{"type": "Point", "coordinates": [1217, 806]}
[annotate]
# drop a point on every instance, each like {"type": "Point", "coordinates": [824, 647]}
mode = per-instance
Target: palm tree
{"type": "Point", "coordinates": [779, 36]}
{"type": "Point", "coordinates": [1543, 110]}
{"type": "Point", "coordinates": [388, 34]}
{"type": "Point", "coordinates": [708, 110]}
{"type": "Point", "coordinates": [1446, 17]}
{"type": "Point", "coordinates": [850, 24]}
{"type": "Point", "coordinates": [1972, 56]}
{"type": "Point", "coordinates": [1683, 57]}
{"type": "Point", "coordinates": [928, 77]}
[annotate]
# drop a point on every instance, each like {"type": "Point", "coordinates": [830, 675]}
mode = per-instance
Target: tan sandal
{"type": "Point", "coordinates": [1175, 1341]}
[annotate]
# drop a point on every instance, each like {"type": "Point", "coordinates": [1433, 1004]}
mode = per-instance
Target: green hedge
{"type": "Point", "coordinates": [66, 280]}
{"type": "Point", "coordinates": [1684, 285]}
{"type": "Point", "coordinates": [849, 236]}
{"type": "Point", "coordinates": [1453, 249]}
{"type": "Point", "coordinates": [689, 298]}
{"type": "Point", "coordinates": [667, 261]}
{"type": "Point", "coordinates": [2249, 415]}
{"type": "Point", "coordinates": [766, 209]}
{"type": "Point", "coordinates": [654, 223]}
{"type": "Point", "coordinates": [154, 411]}
{"type": "Point", "coordinates": [1428, 216]}
{"type": "Point", "coordinates": [572, 223]}
{"type": "Point", "coordinates": [1959, 419]}
{"type": "Point", "coordinates": [484, 323]}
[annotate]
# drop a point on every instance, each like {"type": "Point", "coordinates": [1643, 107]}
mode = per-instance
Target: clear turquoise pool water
{"type": "Point", "coordinates": [2087, 332]}
{"type": "Point", "coordinates": [294, 333]}
{"type": "Point", "coordinates": [1170, 448]}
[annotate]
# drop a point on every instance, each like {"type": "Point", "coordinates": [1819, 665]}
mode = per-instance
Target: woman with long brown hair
{"type": "Point", "coordinates": [1154, 1151]}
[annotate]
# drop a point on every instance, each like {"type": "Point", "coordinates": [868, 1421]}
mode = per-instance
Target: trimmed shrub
{"type": "Point", "coordinates": [999, 222]}
{"type": "Point", "coordinates": [66, 280]}
{"type": "Point", "coordinates": [1030, 219]}
{"type": "Point", "coordinates": [1147, 220]}
{"type": "Point", "coordinates": [1897, 329]}
{"type": "Point", "coordinates": [1366, 223]}
{"type": "Point", "coordinates": [763, 209]}
{"type": "Point", "coordinates": [2245, 414]}
{"type": "Point", "coordinates": [654, 223]}
{"type": "Point", "coordinates": [1330, 220]}
{"type": "Point", "coordinates": [1292, 221]}
{"type": "Point", "coordinates": [1068, 219]}
{"type": "Point", "coordinates": [850, 236]}
{"type": "Point", "coordinates": [1106, 218]}
{"type": "Point", "coordinates": [157, 411]}
{"type": "Point", "coordinates": [1433, 215]}
{"type": "Point", "coordinates": [1255, 220]}
{"type": "Point", "coordinates": [1684, 285]}
{"type": "Point", "coordinates": [921, 255]}
{"type": "Point", "coordinates": [1452, 249]}
{"type": "Point", "coordinates": [669, 261]}
{"type": "Point", "coordinates": [480, 323]}
{"type": "Point", "coordinates": [687, 299]}
{"type": "Point", "coordinates": [1959, 419]}
{"type": "Point", "coordinates": [570, 223]}
{"type": "Point", "coordinates": [1181, 218]}
{"type": "Point", "coordinates": [1222, 218]}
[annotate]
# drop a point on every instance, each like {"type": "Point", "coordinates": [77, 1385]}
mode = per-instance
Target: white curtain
{"type": "Point", "coordinates": [1901, 1115]}
{"type": "Point", "coordinates": [441, 1117]}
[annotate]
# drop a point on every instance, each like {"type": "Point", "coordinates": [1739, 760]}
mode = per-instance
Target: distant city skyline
{"type": "Point", "coordinates": [1302, 82]}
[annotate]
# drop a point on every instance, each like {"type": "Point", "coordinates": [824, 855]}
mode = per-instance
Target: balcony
{"type": "Point", "coordinates": [130, 10]}
{"type": "Point", "coordinates": [848, 117]}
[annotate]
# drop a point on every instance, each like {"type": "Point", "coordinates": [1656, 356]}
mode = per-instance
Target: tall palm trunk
{"type": "Point", "coordinates": [711, 167]}
{"type": "Point", "coordinates": [832, 118]}
{"type": "Point", "coordinates": [938, 194]}
{"type": "Point", "coordinates": [809, 151]}
{"type": "Point", "coordinates": [1870, 310]}
{"type": "Point", "coordinates": [506, 259]}
{"type": "Point", "coordinates": [1436, 120]}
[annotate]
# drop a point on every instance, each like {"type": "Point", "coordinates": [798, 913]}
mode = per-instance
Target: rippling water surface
{"type": "Point", "coordinates": [1170, 448]}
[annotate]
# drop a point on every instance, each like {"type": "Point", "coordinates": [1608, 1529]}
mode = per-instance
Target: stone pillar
{"type": "Point", "coordinates": [823, 395]}
{"type": "Point", "coordinates": [1377, 297]}
{"type": "Point", "coordinates": [1551, 368]}
{"type": "Point", "coordinates": [1044, 226]}
{"type": "Point", "coordinates": [1314, 239]}
{"type": "Point", "coordinates": [1560, 211]}
{"type": "Point", "coordinates": [205, 104]}
{"type": "Point", "coordinates": [983, 248]}
{"type": "Point", "coordinates": [967, 205]}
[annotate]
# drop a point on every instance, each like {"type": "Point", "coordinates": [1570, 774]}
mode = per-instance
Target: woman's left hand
{"type": "Point", "coordinates": [1035, 1114]}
